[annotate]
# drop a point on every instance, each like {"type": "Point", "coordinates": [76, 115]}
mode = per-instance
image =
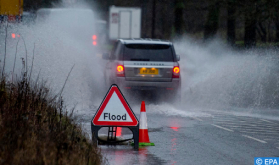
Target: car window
{"type": "Point", "coordinates": [147, 52]}
{"type": "Point", "coordinates": [117, 51]}
{"type": "Point", "coordinates": [111, 57]}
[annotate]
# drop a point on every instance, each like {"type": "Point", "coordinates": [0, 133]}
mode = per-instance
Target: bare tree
{"type": "Point", "coordinates": [178, 20]}
{"type": "Point", "coordinates": [231, 9]}
{"type": "Point", "coordinates": [212, 22]}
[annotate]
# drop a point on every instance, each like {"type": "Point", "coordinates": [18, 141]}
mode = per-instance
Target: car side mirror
{"type": "Point", "coordinates": [178, 57]}
{"type": "Point", "coordinates": [105, 56]}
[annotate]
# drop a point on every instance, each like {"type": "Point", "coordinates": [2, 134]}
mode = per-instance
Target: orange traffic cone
{"type": "Point", "coordinates": [143, 129]}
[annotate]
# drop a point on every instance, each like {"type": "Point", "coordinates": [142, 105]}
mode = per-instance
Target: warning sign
{"type": "Point", "coordinates": [114, 110]}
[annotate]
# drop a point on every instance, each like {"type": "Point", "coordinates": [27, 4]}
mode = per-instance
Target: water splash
{"type": "Point", "coordinates": [56, 51]}
{"type": "Point", "coordinates": [214, 75]}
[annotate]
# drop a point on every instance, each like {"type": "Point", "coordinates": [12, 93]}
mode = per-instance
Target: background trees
{"type": "Point", "coordinates": [32, 5]}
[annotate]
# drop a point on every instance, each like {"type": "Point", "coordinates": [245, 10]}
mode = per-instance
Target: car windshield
{"type": "Point", "coordinates": [147, 52]}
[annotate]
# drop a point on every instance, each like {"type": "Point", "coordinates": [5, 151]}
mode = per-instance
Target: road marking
{"type": "Point", "coordinates": [270, 139]}
{"type": "Point", "coordinates": [240, 124]}
{"type": "Point", "coordinates": [232, 125]}
{"type": "Point", "coordinates": [250, 137]}
{"type": "Point", "coordinates": [197, 118]}
{"type": "Point", "coordinates": [262, 128]}
{"type": "Point", "coordinates": [266, 120]}
{"type": "Point", "coordinates": [277, 147]}
{"type": "Point", "coordinates": [222, 128]}
{"type": "Point", "coordinates": [260, 132]}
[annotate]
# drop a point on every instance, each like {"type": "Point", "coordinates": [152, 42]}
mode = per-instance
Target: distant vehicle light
{"type": "Point", "coordinates": [13, 35]}
{"type": "Point", "coordinates": [94, 37]}
{"type": "Point", "coordinates": [94, 43]}
{"type": "Point", "coordinates": [18, 35]}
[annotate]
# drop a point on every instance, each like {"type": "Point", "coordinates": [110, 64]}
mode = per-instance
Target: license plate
{"type": "Point", "coordinates": [149, 71]}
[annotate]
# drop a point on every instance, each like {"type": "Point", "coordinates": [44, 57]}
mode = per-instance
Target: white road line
{"type": "Point", "coordinates": [222, 128]}
{"type": "Point", "coordinates": [247, 126]}
{"type": "Point", "coordinates": [250, 137]}
{"type": "Point", "coordinates": [236, 126]}
{"type": "Point", "coordinates": [263, 126]}
{"type": "Point", "coordinates": [197, 118]}
{"type": "Point", "coordinates": [266, 121]}
{"type": "Point", "coordinates": [262, 133]}
{"type": "Point", "coordinates": [270, 139]}
{"type": "Point", "coordinates": [235, 123]}
{"type": "Point", "coordinates": [228, 123]}
{"type": "Point", "coordinates": [260, 130]}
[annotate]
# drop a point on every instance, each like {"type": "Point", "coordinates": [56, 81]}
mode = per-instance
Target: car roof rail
{"type": "Point", "coordinates": [147, 39]}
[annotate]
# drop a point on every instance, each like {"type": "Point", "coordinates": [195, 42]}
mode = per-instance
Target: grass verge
{"type": "Point", "coordinates": [36, 128]}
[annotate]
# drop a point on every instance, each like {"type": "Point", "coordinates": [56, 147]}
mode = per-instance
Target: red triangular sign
{"type": "Point", "coordinates": [114, 110]}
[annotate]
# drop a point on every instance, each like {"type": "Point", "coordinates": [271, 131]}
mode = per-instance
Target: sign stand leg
{"type": "Point", "coordinates": [135, 131]}
{"type": "Point", "coordinates": [111, 134]}
{"type": "Point", "coordinates": [94, 130]}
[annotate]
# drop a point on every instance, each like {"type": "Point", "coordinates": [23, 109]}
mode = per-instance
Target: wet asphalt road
{"type": "Point", "coordinates": [216, 137]}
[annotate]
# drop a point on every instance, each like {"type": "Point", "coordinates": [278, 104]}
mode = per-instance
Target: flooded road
{"type": "Point", "coordinates": [203, 136]}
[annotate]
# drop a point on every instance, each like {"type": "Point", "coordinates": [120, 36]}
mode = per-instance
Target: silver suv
{"type": "Point", "coordinates": [143, 64]}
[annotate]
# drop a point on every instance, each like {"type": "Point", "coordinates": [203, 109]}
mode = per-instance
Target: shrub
{"type": "Point", "coordinates": [36, 128]}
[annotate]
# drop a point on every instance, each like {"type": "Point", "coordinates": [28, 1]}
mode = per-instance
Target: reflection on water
{"type": "Point", "coordinates": [142, 155]}
{"type": "Point", "coordinates": [119, 157]}
{"type": "Point", "coordinates": [174, 128]}
{"type": "Point", "coordinates": [173, 148]}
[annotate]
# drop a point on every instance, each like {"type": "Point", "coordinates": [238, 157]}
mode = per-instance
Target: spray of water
{"type": "Point", "coordinates": [218, 78]}
{"type": "Point", "coordinates": [60, 43]}
{"type": "Point", "coordinates": [215, 76]}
